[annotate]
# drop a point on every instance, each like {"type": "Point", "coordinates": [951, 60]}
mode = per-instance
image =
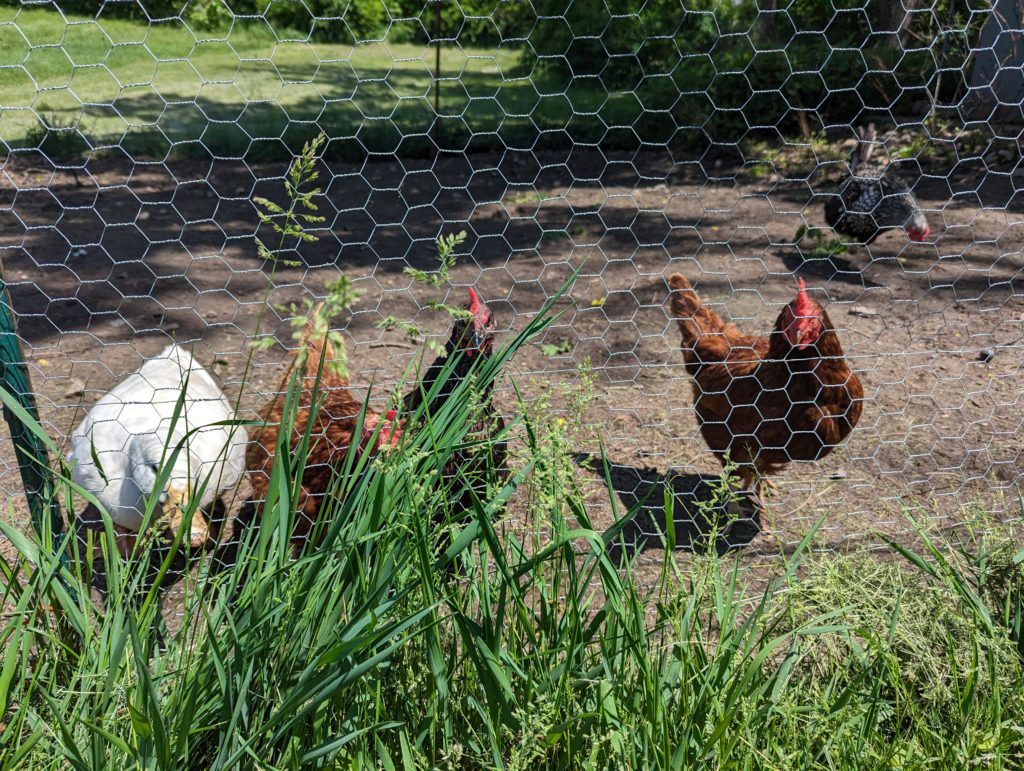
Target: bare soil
{"type": "Point", "coordinates": [105, 268]}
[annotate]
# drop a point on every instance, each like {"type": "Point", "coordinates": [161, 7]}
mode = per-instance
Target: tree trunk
{"type": "Point", "coordinates": [764, 30]}
{"type": "Point", "coordinates": [894, 17]}
{"type": "Point", "coordinates": [996, 78]}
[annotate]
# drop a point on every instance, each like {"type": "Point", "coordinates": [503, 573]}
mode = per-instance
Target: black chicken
{"type": "Point", "coordinates": [469, 470]}
{"type": "Point", "coordinates": [873, 199]}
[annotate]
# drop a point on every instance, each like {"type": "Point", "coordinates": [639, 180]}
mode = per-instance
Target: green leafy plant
{"type": "Point", "coordinates": [546, 653]}
{"type": "Point", "coordinates": [556, 349]}
{"type": "Point", "coordinates": [530, 196]}
{"type": "Point", "coordinates": [209, 14]}
{"type": "Point", "coordinates": [553, 434]}
{"type": "Point", "coordinates": [446, 259]}
{"type": "Point", "coordinates": [918, 148]}
{"type": "Point", "coordinates": [821, 247]}
{"type": "Point", "coordinates": [58, 139]}
{"type": "Point", "coordinates": [316, 321]}
{"type": "Point", "coordinates": [274, 668]}
{"type": "Point", "coordinates": [292, 224]}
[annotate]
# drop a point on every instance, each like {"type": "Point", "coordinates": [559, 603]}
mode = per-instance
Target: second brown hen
{"type": "Point", "coordinates": [331, 412]}
{"type": "Point", "coordinates": [763, 402]}
{"type": "Point", "coordinates": [327, 406]}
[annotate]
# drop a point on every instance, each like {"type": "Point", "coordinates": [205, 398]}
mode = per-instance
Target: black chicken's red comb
{"type": "Point", "coordinates": [474, 302]}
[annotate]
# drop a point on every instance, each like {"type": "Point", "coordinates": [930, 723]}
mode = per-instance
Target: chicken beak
{"type": "Point", "coordinates": [479, 339]}
{"type": "Point", "coordinates": [477, 342]}
{"type": "Point", "coordinates": [797, 337]}
{"type": "Point", "coordinates": [177, 502]}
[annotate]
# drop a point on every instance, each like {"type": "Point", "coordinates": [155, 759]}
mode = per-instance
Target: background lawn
{"type": "Point", "coordinates": [148, 88]}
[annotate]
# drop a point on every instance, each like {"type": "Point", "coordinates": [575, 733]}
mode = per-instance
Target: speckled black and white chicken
{"type": "Point", "coordinates": [873, 199]}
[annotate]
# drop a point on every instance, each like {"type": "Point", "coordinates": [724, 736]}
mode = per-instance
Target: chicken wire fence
{"type": "Point", "coordinates": [634, 140]}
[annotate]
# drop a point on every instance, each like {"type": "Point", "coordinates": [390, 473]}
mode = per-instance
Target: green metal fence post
{"type": "Point", "coordinates": [33, 459]}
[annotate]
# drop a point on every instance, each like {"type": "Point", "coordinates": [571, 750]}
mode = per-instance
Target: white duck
{"type": "Point", "coordinates": [131, 432]}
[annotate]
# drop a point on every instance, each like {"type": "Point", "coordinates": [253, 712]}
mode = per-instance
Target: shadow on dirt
{"type": "Point", "coordinates": [829, 269]}
{"type": "Point", "coordinates": [701, 522]}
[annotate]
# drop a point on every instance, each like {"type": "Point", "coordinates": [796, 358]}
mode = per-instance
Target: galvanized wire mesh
{"type": "Point", "coordinates": [695, 138]}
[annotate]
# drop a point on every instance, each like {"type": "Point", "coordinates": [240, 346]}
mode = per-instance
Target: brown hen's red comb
{"type": "Point", "coordinates": [474, 302]}
{"type": "Point", "coordinates": [389, 434]}
{"type": "Point", "coordinates": [802, 305]}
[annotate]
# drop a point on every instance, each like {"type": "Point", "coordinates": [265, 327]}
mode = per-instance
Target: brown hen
{"type": "Point", "coordinates": [325, 404]}
{"type": "Point", "coordinates": [332, 435]}
{"type": "Point", "coordinates": [763, 402]}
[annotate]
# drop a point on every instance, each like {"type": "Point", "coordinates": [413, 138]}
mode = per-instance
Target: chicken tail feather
{"type": "Point", "coordinates": [695, 319]}
{"type": "Point", "coordinates": [316, 344]}
{"type": "Point", "coordinates": [684, 298]}
{"type": "Point", "coordinates": [864, 149]}
{"type": "Point", "coordinates": [315, 354]}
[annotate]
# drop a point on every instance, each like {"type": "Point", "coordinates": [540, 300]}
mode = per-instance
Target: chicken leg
{"type": "Point", "coordinates": [753, 480]}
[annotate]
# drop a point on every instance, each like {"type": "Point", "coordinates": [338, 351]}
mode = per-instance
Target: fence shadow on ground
{"type": "Point", "coordinates": [700, 524]}
{"type": "Point", "coordinates": [829, 269]}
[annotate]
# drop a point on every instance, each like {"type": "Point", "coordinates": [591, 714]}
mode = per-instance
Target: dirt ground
{"type": "Point", "coordinates": [106, 268]}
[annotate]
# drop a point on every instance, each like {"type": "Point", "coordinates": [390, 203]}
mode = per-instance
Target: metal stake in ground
{"type": "Point", "coordinates": [33, 460]}
{"type": "Point", "coordinates": [437, 77]}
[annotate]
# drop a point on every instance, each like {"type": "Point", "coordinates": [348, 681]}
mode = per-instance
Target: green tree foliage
{"type": "Point", "coordinates": [470, 22]}
{"type": "Point", "coordinates": [618, 73]}
{"type": "Point", "coordinates": [728, 67]}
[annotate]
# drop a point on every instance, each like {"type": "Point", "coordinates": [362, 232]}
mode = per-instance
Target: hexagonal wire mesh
{"type": "Point", "coordinates": [638, 140]}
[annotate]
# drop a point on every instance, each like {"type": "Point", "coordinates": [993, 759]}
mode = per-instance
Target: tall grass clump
{"type": "Point", "coordinates": [543, 653]}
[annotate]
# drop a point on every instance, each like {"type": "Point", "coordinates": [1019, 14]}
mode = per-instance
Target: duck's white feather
{"type": "Point", "coordinates": [143, 405]}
